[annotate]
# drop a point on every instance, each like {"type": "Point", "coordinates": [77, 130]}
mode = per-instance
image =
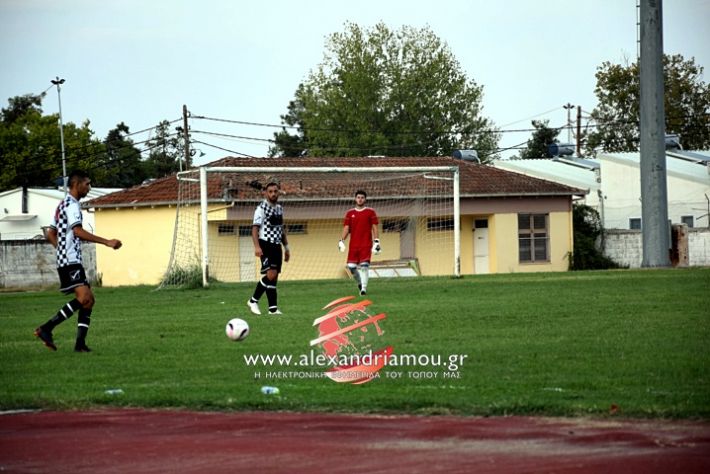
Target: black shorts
{"type": "Point", "coordinates": [71, 277]}
{"type": "Point", "coordinates": [271, 256]}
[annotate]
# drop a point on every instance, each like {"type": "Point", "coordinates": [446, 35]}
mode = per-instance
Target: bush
{"type": "Point", "coordinates": [588, 231]}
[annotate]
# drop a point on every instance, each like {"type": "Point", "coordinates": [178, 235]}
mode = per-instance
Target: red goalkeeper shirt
{"type": "Point", "coordinates": [360, 222]}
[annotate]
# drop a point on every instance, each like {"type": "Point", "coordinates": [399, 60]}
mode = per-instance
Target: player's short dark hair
{"type": "Point", "coordinates": [360, 191]}
{"type": "Point", "coordinates": [272, 183]}
{"type": "Point", "coordinates": [76, 176]}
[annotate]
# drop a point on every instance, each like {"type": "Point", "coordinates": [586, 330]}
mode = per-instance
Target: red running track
{"type": "Point", "coordinates": [163, 441]}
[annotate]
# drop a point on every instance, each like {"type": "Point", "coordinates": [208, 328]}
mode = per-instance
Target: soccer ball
{"type": "Point", "coordinates": [237, 329]}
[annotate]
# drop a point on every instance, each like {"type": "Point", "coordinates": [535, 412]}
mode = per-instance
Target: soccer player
{"type": "Point", "coordinates": [66, 233]}
{"type": "Point", "coordinates": [268, 234]}
{"type": "Point", "coordinates": [361, 223]}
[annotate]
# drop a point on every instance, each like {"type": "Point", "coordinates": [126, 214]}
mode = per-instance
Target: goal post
{"type": "Point", "coordinates": [418, 210]}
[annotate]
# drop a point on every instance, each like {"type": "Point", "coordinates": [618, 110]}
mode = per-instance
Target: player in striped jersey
{"type": "Point", "coordinates": [361, 224]}
{"type": "Point", "coordinates": [65, 234]}
{"type": "Point", "coordinates": [268, 234]}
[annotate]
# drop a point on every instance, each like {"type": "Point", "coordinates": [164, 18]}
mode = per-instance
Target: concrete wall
{"type": "Point", "coordinates": [699, 247]}
{"type": "Point", "coordinates": [26, 264]}
{"type": "Point", "coordinates": [625, 247]}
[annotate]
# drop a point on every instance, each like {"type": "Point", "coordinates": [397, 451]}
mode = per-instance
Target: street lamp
{"type": "Point", "coordinates": [568, 107]}
{"type": "Point", "coordinates": [58, 82]}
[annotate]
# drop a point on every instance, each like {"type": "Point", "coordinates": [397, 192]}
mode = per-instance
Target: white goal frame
{"type": "Point", "coordinates": [204, 170]}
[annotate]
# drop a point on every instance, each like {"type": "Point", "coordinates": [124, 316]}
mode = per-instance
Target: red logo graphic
{"type": "Point", "coordinates": [349, 337]}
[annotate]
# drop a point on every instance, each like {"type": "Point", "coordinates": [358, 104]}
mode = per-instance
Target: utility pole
{"type": "Point", "coordinates": [186, 136]}
{"type": "Point", "coordinates": [579, 130]}
{"type": "Point", "coordinates": [654, 192]}
{"type": "Point", "coordinates": [568, 107]}
{"type": "Point", "coordinates": [58, 82]}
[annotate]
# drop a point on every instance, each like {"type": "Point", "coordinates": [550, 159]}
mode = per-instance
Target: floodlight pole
{"type": "Point", "coordinates": [654, 192]}
{"type": "Point", "coordinates": [568, 107]}
{"type": "Point", "coordinates": [58, 82]}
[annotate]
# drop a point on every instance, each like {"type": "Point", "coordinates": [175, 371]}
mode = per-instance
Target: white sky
{"type": "Point", "coordinates": [139, 61]}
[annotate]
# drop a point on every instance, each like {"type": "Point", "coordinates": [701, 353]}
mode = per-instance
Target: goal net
{"type": "Point", "coordinates": [417, 209]}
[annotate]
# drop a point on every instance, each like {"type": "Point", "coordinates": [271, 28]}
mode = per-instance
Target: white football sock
{"type": "Point", "coordinates": [364, 275]}
{"type": "Point", "coordinates": [355, 273]}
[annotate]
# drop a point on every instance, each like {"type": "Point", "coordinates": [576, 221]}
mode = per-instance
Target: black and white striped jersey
{"type": "Point", "coordinates": [270, 220]}
{"type": "Point", "coordinates": [66, 217]}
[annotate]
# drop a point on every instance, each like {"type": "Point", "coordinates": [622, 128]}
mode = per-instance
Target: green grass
{"type": "Point", "coordinates": [541, 344]}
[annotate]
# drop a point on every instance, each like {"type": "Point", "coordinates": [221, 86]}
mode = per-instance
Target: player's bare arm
{"type": "Point", "coordinates": [52, 237]}
{"type": "Point", "coordinates": [89, 237]}
{"type": "Point", "coordinates": [284, 242]}
{"type": "Point", "coordinates": [255, 238]}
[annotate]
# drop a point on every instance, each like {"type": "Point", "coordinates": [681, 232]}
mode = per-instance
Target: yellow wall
{"type": "Point", "coordinates": [147, 236]}
{"type": "Point", "coordinates": [467, 245]}
{"type": "Point", "coordinates": [434, 249]}
{"type": "Point", "coordinates": [313, 255]}
{"type": "Point", "coordinates": [504, 235]}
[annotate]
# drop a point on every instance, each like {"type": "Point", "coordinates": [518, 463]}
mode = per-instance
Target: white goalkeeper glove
{"type": "Point", "coordinates": [376, 249]}
{"type": "Point", "coordinates": [341, 245]}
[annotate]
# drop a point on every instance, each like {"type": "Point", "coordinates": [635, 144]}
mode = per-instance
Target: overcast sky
{"type": "Point", "coordinates": [140, 61]}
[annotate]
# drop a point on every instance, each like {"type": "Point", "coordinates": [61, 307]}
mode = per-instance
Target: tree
{"type": "Point", "coordinates": [543, 136]}
{"type": "Point", "coordinates": [383, 92]}
{"type": "Point", "coordinates": [123, 164]}
{"type": "Point", "coordinates": [30, 144]}
{"type": "Point", "coordinates": [686, 102]}
{"type": "Point", "coordinates": [166, 151]}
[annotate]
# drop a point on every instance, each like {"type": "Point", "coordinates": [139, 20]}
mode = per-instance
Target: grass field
{"type": "Point", "coordinates": [544, 344]}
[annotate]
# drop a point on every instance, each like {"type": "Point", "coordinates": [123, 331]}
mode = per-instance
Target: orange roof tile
{"type": "Point", "coordinates": [476, 180]}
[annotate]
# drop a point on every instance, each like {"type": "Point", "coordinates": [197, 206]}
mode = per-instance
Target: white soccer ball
{"type": "Point", "coordinates": [237, 329]}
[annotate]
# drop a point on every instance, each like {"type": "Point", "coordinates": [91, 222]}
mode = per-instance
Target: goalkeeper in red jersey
{"type": "Point", "coordinates": [361, 223]}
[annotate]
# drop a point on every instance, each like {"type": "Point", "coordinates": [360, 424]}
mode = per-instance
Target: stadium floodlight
{"type": "Point", "coordinates": [417, 206]}
{"type": "Point", "coordinates": [58, 82]}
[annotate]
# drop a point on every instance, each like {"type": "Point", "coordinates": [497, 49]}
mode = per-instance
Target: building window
{"type": "Point", "coordinates": [635, 223]}
{"type": "Point", "coordinates": [225, 229]}
{"type": "Point", "coordinates": [687, 220]}
{"type": "Point", "coordinates": [245, 231]}
{"type": "Point", "coordinates": [439, 223]}
{"type": "Point", "coordinates": [394, 225]}
{"type": "Point", "coordinates": [480, 224]}
{"type": "Point", "coordinates": [532, 238]}
{"type": "Point", "coordinates": [297, 228]}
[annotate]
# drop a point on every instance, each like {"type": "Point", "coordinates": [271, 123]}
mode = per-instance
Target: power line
{"type": "Point", "coordinates": [223, 149]}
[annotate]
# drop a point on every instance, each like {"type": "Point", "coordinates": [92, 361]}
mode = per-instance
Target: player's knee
{"type": "Point", "coordinates": [86, 301]}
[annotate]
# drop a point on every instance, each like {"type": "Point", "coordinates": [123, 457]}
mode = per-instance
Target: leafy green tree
{"type": "Point", "coordinates": [166, 150]}
{"type": "Point", "coordinates": [122, 161]}
{"type": "Point", "coordinates": [537, 146]}
{"type": "Point", "coordinates": [384, 92]}
{"type": "Point", "coordinates": [617, 117]}
{"type": "Point", "coordinates": [30, 145]}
